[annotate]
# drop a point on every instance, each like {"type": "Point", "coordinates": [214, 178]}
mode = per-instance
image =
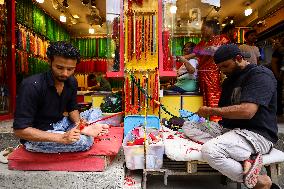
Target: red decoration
{"type": "Point", "coordinates": [145, 37]}
{"type": "Point", "coordinates": [130, 35]}
{"type": "Point", "coordinates": [167, 59]}
{"type": "Point", "coordinates": [138, 2]}
{"type": "Point", "coordinates": [115, 33]}
{"type": "Point", "coordinates": [170, 137]}
{"type": "Point", "coordinates": [139, 141]}
{"type": "Point", "coordinates": [152, 137]}
{"type": "Point", "coordinates": [91, 65]}
{"type": "Point", "coordinates": [129, 181]}
{"type": "Point", "coordinates": [130, 143]}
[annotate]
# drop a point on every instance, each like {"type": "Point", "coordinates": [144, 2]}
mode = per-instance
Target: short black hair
{"type": "Point", "coordinates": [190, 44]}
{"type": "Point", "coordinates": [91, 76]}
{"type": "Point", "coordinates": [228, 28]}
{"type": "Point", "coordinates": [64, 49]}
{"type": "Point", "coordinates": [213, 24]}
{"type": "Point", "coordinates": [249, 32]}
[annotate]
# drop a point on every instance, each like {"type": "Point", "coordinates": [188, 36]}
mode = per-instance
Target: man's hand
{"type": "Point", "coordinates": [70, 136]}
{"type": "Point", "coordinates": [189, 56]}
{"type": "Point", "coordinates": [80, 124]}
{"type": "Point", "coordinates": [204, 111]}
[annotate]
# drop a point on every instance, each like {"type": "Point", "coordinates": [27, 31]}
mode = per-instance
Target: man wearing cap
{"type": "Point", "coordinates": [248, 126]}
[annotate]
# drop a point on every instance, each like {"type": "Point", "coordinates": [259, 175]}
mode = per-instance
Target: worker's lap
{"type": "Point", "coordinates": [229, 145]}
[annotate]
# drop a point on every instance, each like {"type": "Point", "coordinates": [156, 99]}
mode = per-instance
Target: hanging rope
{"type": "Point", "coordinates": [149, 96]}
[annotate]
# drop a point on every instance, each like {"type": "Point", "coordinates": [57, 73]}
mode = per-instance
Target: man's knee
{"type": "Point", "coordinates": [210, 150]}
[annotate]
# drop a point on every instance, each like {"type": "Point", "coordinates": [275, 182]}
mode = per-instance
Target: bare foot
{"type": "Point", "coordinates": [263, 182]}
{"type": "Point", "coordinates": [246, 167]}
{"type": "Point", "coordinates": [95, 130]}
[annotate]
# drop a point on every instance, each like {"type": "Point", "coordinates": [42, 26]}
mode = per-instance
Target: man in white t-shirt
{"type": "Point", "coordinates": [187, 73]}
{"type": "Point", "coordinates": [249, 47]}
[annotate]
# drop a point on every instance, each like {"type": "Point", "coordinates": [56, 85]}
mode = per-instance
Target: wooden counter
{"type": "Point", "coordinates": [190, 101]}
{"type": "Point", "coordinates": [96, 97]}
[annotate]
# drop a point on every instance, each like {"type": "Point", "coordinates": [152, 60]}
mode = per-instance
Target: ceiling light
{"type": "Point", "coordinates": [232, 21]}
{"type": "Point", "coordinates": [91, 30]}
{"type": "Point", "coordinates": [40, 1]}
{"type": "Point", "coordinates": [75, 16]}
{"type": "Point", "coordinates": [65, 3]}
{"type": "Point", "coordinates": [248, 11]}
{"type": "Point", "coordinates": [62, 18]}
{"type": "Point", "coordinates": [173, 9]}
{"type": "Point", "coordinates": [85, 2]}
{"type": "Point", "coordinates": [73, 21]}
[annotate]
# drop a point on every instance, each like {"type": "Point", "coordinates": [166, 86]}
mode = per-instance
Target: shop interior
{"type": "Point", "coordinates": [101, 31]}
{"type": "Point", "coordinates": [130, 50]}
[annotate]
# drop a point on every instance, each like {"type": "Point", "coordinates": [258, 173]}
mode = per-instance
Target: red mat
{"type": "Point", "coordinates": [97, 158]}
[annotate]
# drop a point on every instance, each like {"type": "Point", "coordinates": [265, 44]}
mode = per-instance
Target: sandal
{"type": "Point", "coordinates": [250, 179]}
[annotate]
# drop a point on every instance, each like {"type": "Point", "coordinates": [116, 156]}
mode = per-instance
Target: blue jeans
{"type": "Point", "coordinates": [83, 144]}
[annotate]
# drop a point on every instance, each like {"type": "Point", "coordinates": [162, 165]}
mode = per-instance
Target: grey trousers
{"type": "Point", "coordinates": [226, 150]}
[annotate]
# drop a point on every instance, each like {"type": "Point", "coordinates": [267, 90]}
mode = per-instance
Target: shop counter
{"type": "Point", "coordinates": [96, 97]}
{"type": "Point", "coordinates": [175, 101]}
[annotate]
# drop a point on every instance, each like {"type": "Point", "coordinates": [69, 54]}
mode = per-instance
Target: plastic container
{"type": "Point", "coordinates": [132, 121]}
{"type": "Point", "coordinates": [134, 155]}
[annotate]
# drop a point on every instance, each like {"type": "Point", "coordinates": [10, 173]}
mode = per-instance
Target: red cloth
{"type": "Point", "coordinates": [178, 65]}
{"type": "Point", "coordinates": [208, 72]}
{"type": "Point", "coordinates": [95, 159]}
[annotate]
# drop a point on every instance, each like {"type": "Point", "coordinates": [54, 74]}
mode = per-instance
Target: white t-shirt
{"type": "Point", "coordinates": [253, 51]}
{"type": "Point", "coordinates": [183, 73]}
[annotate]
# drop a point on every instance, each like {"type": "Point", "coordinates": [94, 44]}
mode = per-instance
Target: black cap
{"type": "Point", "coordinates": [227, 52]}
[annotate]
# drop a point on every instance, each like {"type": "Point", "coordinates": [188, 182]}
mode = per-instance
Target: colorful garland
{"type": "Point", "coordinates": [143, 91]}
{"type": "Point", "coordinates": [31, 16]}
{"type": "Point", "coordinates": [30, 42]}
{"type": "Point", "coordinates": [28, 64]}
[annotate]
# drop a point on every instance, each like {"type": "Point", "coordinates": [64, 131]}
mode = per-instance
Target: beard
{"type": "Point", "coordinates": [61, 79]}
{"type": "Point", "coordinates": [235, 72]}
